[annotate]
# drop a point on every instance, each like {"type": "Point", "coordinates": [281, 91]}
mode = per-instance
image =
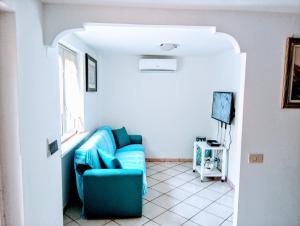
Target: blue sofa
{"type": "Point", "coordinates": [106, 192]}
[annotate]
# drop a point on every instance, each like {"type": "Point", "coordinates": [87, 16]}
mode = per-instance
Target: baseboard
{"type": "Point", "coordinates": [168, 160]}
{"type": "Point", "coordinates": [230, 184]}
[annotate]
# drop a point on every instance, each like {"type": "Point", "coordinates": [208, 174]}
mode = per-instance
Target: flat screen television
{"type": "Point", "coordinates": [223, 107]}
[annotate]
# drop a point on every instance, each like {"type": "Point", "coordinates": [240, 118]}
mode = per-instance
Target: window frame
{"type": "Point", "coordinates": [66, 135]}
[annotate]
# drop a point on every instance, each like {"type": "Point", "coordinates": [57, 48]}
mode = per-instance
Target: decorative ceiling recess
{"type": "Point", "coordinates": [156, 40]}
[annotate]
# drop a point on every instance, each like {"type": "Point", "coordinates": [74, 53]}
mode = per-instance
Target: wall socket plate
{"type": "Point", "coordinates": [256, 158]}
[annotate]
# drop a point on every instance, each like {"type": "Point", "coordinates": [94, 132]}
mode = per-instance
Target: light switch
{"type": "Point", "coordinates": [256, 158]}
{"type": "Point", "coordinates": [52, 146]}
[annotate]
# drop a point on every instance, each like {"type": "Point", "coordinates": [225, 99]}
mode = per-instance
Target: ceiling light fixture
{"type": "Point", "coordinates": [168, 46]}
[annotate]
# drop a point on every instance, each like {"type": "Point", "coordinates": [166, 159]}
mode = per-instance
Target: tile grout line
{"type": "Point", "coordinates": [219, 204]}
{"type": "Point", "coordinates": [188, 219]}
{"type": "Point", "coordinates": [163, 181]}
{"type": "Point", "coordinates": [200, 210]}
{"type": "Point", "coordinates": [165, 193]}
{"type": "Point", "coordinates": [225, 220]}
{"type": "Point", "coordinates": [181, 201]}
{"type": "Point", "coordinates": [180, 173]}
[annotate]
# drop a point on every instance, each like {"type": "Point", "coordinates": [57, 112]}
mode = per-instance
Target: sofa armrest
{"type": "Point", "coordinates": [112, 193]}
{"type": "Point", "coordinates": [136, 139]}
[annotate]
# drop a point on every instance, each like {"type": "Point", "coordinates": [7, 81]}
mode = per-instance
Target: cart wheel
{"type": "Point", "coordinates": [194, 171]}
{"type": "Point", "coordinates": [222, 181]}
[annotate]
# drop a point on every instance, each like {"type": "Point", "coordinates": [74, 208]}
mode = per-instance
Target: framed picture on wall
{"type": "Point", "coordinates": [291, 80]}
{"type": "Point", "coordinates": [91, 73]}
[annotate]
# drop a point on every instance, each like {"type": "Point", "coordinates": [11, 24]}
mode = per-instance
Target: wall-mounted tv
{"type": "Point", "coordinates": [223, 107]}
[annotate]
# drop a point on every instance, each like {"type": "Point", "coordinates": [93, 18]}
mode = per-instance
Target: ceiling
{"type": "Point", "coordinates": [146, 40]}
{"type": "Point", "coordinates": [241, 5]}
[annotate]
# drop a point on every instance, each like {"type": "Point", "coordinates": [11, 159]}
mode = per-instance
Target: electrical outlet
{"type": "Point", "coordinates": [256, 158]}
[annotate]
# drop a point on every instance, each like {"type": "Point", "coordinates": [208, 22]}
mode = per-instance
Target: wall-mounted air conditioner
{"type": "Point", "coordinates": [158, 64]}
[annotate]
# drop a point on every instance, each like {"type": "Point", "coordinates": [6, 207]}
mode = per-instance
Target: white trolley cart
{"type": "Point", "coordinates": [220, 151]}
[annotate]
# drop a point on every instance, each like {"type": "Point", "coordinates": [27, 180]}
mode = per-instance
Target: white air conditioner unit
{"type": "Point", "coordinates": [158, 64]}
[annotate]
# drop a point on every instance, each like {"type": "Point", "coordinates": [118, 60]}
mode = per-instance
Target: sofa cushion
{"type": "Point", "coordinates": [109, 161]}
{"type": "Point", "coordinates": [134, 160]}
{"type": "Point", "coordinates": [131, 147]}
{"type": "Point", "coordinates": [104, 141]}
{"type": "Point", "coordinates": [121, 137]}
{"type": "Point", "coordinates": [136, 139]}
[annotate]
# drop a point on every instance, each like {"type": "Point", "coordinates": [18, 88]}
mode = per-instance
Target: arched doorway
{"type": "Point", "coordinates": [235, 159]}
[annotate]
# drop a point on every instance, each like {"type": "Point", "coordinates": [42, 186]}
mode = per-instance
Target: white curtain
{"type": "Point", "coordinates": [70, 95]}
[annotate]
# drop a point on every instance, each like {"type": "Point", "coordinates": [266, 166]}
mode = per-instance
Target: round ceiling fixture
{"type": "Point", "coordinates": [168, 46]}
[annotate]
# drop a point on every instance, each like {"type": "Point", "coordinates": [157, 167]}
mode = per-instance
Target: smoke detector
{"type": "Point", "coordinates": [168, 46]}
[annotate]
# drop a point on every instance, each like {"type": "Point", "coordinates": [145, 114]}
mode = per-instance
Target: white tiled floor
{"type": "Point", "coordinates": [176, 196]}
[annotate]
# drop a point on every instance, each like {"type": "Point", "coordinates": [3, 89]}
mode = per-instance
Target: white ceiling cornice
{"type": "Point", "coordinates": [283, 6]}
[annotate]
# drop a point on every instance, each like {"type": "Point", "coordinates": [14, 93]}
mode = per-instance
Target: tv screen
{"type": "Point", "coordinates": [222, 107]}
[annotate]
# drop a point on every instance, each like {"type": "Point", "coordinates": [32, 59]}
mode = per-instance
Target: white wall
{"type": "Point", "coordinates": [168, 108]}
{"type": "Point", "coordinates": [11, 200]}
{"type": "Point", "coordinates": [267, 128]}
{"type": "Point", "coordinates": [39, 118]}
{"type": "Point", "coordinates": [230, 66]}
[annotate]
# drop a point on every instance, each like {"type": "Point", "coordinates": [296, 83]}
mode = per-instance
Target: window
{"type": "Point", "coordinates": [70, 92]}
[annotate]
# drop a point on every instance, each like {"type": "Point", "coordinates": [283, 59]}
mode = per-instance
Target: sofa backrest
{"type": "Point", "coordinates": [105, 140]}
